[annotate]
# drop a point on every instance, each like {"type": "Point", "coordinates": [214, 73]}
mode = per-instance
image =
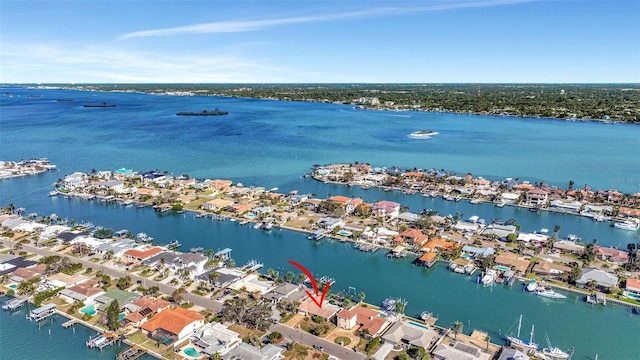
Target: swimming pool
{"type": "Point", "coordinates": [502, 268]}
{"type": "Point", "coordinates": [418, 325]}
{"type": "Point", "coordinates": [190, 351]}
{"type": "Point", "coordinates": [121, 316]}
{"type": "Point", "coordinates": [467, 256]}
{"type": "Point", "coordinates": [89, 310]}
{"type": "Point", "coordinates": [13, 286]}
{"type": "Point", "coordinates": [344, 233]}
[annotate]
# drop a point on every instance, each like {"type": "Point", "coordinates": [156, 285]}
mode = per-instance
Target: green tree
{"type": "Point", "coordinates": [361, 296]}
{"type": "Point", "coordinates": [113, 315]}
{"type": "Point", "coordinates": [124, 282]}
{"type": "Point", "coordinates": [457, 327]}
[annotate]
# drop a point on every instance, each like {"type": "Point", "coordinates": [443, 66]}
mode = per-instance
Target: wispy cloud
{"type": "Point", "coordinates": [253, 25]}
{"type": "Point", "coordinates": [58, 63]}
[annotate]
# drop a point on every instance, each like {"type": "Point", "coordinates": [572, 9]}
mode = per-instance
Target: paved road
{"type": "Point", "coordinates": [305, 338]}
{"type": "Point", "coordinates": [115, 273]}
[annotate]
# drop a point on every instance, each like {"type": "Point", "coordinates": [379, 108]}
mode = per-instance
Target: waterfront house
{"type": "Point", "coordinates": [409, 218]}
{"type": "Point", "coordinates": [632, 288]}
{"type": "Point", "coordinates": [21, 274]}
{"type": "Point", "coordinates": [329, 223]}
{"type": "Point", "coordinates": [75, 180]}
{"type": "Point", "coordinates": [242, 208]}
{"type": "Point", "coordinates": [532, 238]}
{"type": "Point", "coordinates": [217, 204]}
{"type": "Point", "coordinates": [141, 255]}
{"type": "Point", "coordinates": [69, 236]}
{"type": "Point", "coordinates": [511, 260]}
{"type": "Point", "coordinates": [61, 279]}
{"type": "Point", "coordinates": [509, 197]}
{"type": "Point", "coordinates": [84, 292]}
{"type": "Point", "coordinates": [245, 351]}
{"type": "Point", "coordinates": [512, 354]}
{"type": "Point", "coordinates": [569, 246]}
{"type": "Point", "coordinates": [139, 309]}
{"type": "Point", "coordinates": [428, 259]}
{"type": "Point", "coordinates": [215, 338]}
{"type": "Point", "coordinates": [566, 206]}
{"type": "Point", "coordinates": [349, 204]}
{"type": "Point", "coordinates": [603, 279]}
{"type": "Point", "coordinates": [438, 244]}
{"type": "Point", "coordinates": [116, 186]}
{"type": "Point", "coordinates": [286, 292]}
{"type": "Point", "coordinates": [224, 277]}
{"type": "Point", "coordinates": [123, 173]}
{"type": "Point", "coordinates": [327, 311]}
{"type": "Point", "coordinates": [548, 269]}
{"type": "Point", "coordinates": [628, 212]}
{"type": "Point", "coordinates": [252, 284]}
{"type": "Point", "coordinates": [367, 319]}
{"type": "Point", "coordinates": [477, 251]}
{"type": "Point", "coordinates": [117, 247]}
{"type": "Point", "coordinates": [147, 192]}
{"type": "Point", "coordinates": [616, 256]}
{"type": "Point", "coordinates": [404, 333]}
{"type": "Point", "coordinates": [123, 297]}
{"type": "Point", "coordinates": [459, 351]}
{"type": "Point", "coordinates": [173, 325]}
{"type": "Point", "coordinates": [386, 209]}
{"type": "Point", "coordinates": [194, 262]}
{"type": "Point", "coordinates": [220, 185]}
{"type": "Point", "coordinates": [151, 177]}
{"type": "Point", "coordinates": [536, 197]}
{"type": "Point", "coordinates": [501, 231]}
{"type": "Point", "coordinates": [414, 237]}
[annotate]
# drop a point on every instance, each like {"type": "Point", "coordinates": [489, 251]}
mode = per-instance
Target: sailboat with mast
{"type": "Point", "coordinates": [520, 343]}
{"type": "Point", "coordinates": [554, 353]}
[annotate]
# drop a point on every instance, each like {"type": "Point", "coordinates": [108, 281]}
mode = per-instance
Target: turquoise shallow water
{"type": "Point", "coordinates": [271, 143]}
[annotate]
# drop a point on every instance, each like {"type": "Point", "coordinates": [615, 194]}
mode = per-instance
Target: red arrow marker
{"type": "Point", "coordinates": [313, 283]}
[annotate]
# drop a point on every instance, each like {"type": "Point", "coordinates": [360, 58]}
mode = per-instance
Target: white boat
{"type": "Point", "coordinates": [627, 225]}
{"type": "Point", "coordinates": [53, 193]}
{"type": "Point", "coordinates": [425, 315]}
{"type": "Point", "coordinates": [549, 293]}
{"type": "Point", "coordinates": [423, 134]}
{"type": "Point", "coordinates": [554, 353]}
{"type": "Point", "coordinates": [523, 344]}
{"type": "Point", "coordinates": [488, 277]}
{"type": "Point", "coordinates": [532, 285]}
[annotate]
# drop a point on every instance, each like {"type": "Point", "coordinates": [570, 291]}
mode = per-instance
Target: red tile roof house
{"type": "Point", "coordinates": [633, 287]}
{"type": "Point", "coordinates": [610, 254]}
{"type": "Point", "coordinates": [348, 203]}
{"type": "Point", "coordinates": [173, 325]}
{"type": "Point", "coordinates": [413, 237]}
{"type": "Point", "coordinates": [139, 255]}
{"type": "Point", "coordinates": [327, 311]}
{"type": "Point", "coordinates": [367, 319]}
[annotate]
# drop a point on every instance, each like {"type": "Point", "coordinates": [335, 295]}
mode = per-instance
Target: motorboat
{"type": "Point", "coordinates": [627, 225]}
{"type": "Point", "coordinates": [532, 286]}
{"type": "Point", "coordinates": [423, 134]}
{"type": "Point", "coordinates": [549, 293]}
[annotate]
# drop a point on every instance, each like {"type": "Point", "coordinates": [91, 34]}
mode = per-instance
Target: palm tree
{"type": "Point", "coordinates": [457, 327]}
{"type": "Point", "coordinates": [361, 296]}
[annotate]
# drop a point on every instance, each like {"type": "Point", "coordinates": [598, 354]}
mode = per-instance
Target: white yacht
{"type": "Point", "coordinates": [627, 225]}
{"type": "Point", "coordinates": [423, 134]}
{"type": "Point", "coordinates": [549, 293]}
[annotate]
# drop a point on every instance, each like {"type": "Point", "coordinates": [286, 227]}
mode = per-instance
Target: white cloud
{"type": "Point", "coordinates": [253, 25]}
{"type": "Point", "coordinates": [54, 63]}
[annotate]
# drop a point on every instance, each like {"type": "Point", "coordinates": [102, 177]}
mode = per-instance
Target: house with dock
{"type": "Point", "coordinates": [632, 289]}
{"type": "Point", "coordinates": [459, 350]}
{"type": "Point", "coordinates": [173, 325]}
{"type": "Point", "coordinates": [42, 312]}
{"type": "Point", "coordinates": [404, 333]}
{"type": "Point", "coordinates": [602, 279]}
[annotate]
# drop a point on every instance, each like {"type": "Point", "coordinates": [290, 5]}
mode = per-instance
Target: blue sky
{"type": "Point", "coordinates": [319, 41]}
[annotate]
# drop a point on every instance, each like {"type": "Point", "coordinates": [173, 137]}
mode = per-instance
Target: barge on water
{"type": "Point", "coordinates": [215, 112]}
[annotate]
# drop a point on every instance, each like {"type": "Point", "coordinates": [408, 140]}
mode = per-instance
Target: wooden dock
{"type": "Point", "coordinates": [69, 323]}
{"type": "Point", "coordinates": [131, 353]}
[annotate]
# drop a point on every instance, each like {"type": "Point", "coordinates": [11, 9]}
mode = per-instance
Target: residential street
{"type": "Point", "coordinates": [310, 340]}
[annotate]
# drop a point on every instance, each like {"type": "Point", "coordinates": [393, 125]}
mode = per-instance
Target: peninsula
{"type": "Point", "coordinates": [9, 169]}
{"type": "Point", "coordinates": [602, 102]}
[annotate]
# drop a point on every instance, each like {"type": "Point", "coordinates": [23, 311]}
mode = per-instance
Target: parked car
{"type": "Point", "coordinates": [318, 347]}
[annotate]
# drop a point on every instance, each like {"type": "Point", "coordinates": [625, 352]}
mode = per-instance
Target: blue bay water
{"type": "Point", "coordinates": [272, 143]}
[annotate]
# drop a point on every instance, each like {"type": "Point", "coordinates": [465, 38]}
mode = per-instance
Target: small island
{"type": "Point", "coordinates": [99, 105]}
{"type": "Point", "coordinates": [202, 113]}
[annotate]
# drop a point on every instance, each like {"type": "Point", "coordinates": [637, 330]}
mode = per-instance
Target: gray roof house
{"type": "Point", "coordinates": [502, 231]}
{"type": "Point", "coordinates": [604, 279]}
{"type": "Point", "coordinates": [459, 351]}
{"type": "Point", "coordinates": [249, 352]}
{"type": "Point", "coordinates": [512, 354]}
{"type": "Point", "coordinates": [216, 338]}
{"type": "Point", "coordinates": [404, 333]}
